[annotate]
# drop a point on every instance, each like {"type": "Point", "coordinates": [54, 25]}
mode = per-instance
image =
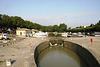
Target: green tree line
{"type": "Point", "coordinates": [91, 28]}
{"type": "Point", "coordinates": [13, 22]}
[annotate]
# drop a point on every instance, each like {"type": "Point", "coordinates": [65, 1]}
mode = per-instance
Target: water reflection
{"type": "Point", "coordinates": [59, 57]}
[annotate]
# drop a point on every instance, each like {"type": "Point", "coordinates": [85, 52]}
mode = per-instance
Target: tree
{"type": "Point", "coordinates": [5, 21]}
{"type": "Point", "coordinates": [0, 20]}
{"type": "Point", "coordinates": [91, 25]}
{"type": "Point", "coordinates": [69, 28]}
{"type": "Point", "coordinates": [44, 28]}
{"type": "Point", "coordinates": [62, 27]}
{"type": "Point", "coordinates": [49, 29]}
{"type": "Point", "coordinates": [97, 27]}
{"type": "Point", "coordinates": [13, 22]}
{"type": "Point", "coordinates": [55, 28]}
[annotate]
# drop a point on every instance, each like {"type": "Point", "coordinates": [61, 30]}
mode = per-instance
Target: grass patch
{"type": "Point", "coordinates": [2, 55]}
{"type": "Point", "coordinates": [18, 48]}
{"type": "Point", "coordinates": [13, 55]}
{"type": "Point", "coordinates": [1, 61]}
{"type": "Point", "coordinates": [53, 35]}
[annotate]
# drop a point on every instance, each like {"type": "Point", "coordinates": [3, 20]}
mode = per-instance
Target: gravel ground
{"type": "Point", "coordinates": [19, 52]}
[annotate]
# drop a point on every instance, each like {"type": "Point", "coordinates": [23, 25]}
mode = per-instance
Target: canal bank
{"type": "Point", "coordinates": [78, 48]}
{"type": "Point", "coordinates": [85, 42]}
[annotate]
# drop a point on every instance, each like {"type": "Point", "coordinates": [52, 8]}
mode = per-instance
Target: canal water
{"type": "Point", "coordinates": [60, 57]}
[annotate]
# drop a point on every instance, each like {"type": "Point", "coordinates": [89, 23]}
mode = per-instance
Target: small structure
{"type": "Point", "coordinates": [56, 42]}
{"type": "Point", "coordinates": [34, 31]}
{"type": "Point", "coordinates": [41, 34]}
{"type": "Point", "coordinates": [55, 33]}
{"type": "Point", "coordinates": [23, 32]}
{"type": "Point", "coordinates": [64, 34]}
{"type": "Point", "coordinates": [8, 62]}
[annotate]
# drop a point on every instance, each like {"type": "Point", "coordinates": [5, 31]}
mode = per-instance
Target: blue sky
{"type": "Point", "coordinates": [49, 12]}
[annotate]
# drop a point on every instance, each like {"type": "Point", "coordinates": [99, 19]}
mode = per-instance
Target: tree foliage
{"type": "Point", "coordinates": [97, 27]}
{"type": "Point", "coordinates": [13, 22]}
{"type": "Point", "coordinates": [62, 27]}
{"type": "Point", "coordinates": [55, 28]}
{"type": "Point", "coordinates": [90, 28]}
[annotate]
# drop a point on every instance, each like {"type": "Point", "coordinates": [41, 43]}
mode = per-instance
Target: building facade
{"type": "Point", "coordinates": [23, 32]}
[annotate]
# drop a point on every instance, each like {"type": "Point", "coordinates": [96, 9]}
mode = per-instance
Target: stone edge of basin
{"type": "Point", "coordinates": [83, 52]}
{"type": "Point", "coordinates": [80, 50]}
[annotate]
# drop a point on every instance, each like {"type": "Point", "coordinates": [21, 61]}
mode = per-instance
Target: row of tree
{"type": "Point", "coordinates": [55, 28]}
{"type": "Point", "coordinates": [13, 22]}
{"type": "Point", "coordinates": [91, 28]}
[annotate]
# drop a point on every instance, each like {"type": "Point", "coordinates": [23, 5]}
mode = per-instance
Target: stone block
{"type": "Point", "coordinates": [8, 62]}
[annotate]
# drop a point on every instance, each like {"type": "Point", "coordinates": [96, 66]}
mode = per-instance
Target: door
{"type": "Point", "coordinates": [20, 33]}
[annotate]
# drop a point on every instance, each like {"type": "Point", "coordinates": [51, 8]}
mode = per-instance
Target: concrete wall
{"type": "Point", "coordinates": [40, 48]}
{"type": "Point", "coordinates": [84, 53]}
{"type": "Point", "coordinates": [23, 33]}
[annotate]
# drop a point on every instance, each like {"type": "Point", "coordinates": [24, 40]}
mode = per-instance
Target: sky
{"type": "Point", "coordinates": [54, 12]}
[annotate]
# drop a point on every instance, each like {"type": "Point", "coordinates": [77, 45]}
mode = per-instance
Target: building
{"type": "Point", "coordinates": [34, 31]}
{"type": "Point", "coordinates": [23, 32]}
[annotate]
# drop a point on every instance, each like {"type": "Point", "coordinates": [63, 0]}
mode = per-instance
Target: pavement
{"type": "Point", "coordinates": [85, 42]}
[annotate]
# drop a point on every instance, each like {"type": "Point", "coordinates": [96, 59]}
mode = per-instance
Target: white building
{"type": "Point", "coordinates": [23, 32]}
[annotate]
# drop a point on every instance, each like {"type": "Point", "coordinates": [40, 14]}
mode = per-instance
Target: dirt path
{"type": "Point", "coordinates": [19, 52]}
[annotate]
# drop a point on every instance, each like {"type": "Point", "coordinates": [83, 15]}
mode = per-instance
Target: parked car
{"type": "Point", "coordinates": [4, 36]}
{"type": "Point", "coordinates": [97, 35]}
{"type": "Point", "coordinates": [64, 34]}
{"type": "Point", "coordinates": [75, 35]}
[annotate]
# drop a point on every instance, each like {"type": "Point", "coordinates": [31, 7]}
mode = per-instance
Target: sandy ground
{"type": "Point", "coordinates": [19, 52]}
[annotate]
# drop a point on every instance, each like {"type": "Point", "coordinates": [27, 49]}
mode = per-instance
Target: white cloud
{"type": "Point", "coordinates": [72, 20]}
{"type": "Point", "coordinates": [46, 20]}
